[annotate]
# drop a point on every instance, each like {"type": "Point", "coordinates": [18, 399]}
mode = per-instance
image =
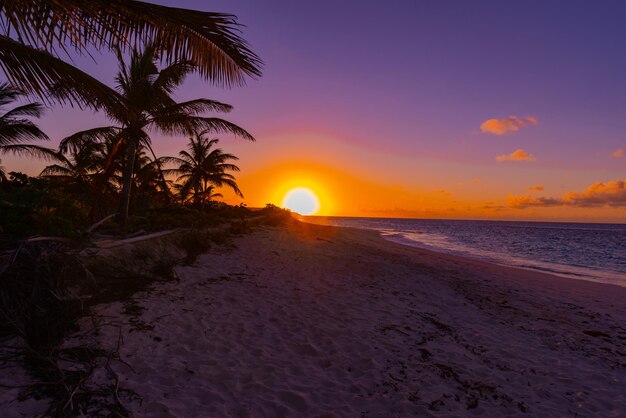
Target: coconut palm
{"type": "Point", "coordinates": [196, 198]}
{"type": "Point", "coordinates": [78, 169]}
{"type": "Point", "coordinates": [149, 181]}
{"type": "Point", "coordinates": [201, 168]}
{"type": "Point", "coordinates": [15, 127]}
{"type": "Point", "coordinates": [35, 33]}
{"type": "Point", "coordinates": [143, 103]}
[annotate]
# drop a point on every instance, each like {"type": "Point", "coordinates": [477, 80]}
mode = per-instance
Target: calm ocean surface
{"type": "Point", "coordinates": [594, 252]}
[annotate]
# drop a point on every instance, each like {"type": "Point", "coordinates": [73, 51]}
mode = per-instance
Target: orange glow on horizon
{"type": "Point", "coordinates": [343, 193]}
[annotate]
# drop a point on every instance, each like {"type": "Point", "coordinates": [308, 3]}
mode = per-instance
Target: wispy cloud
{"type": "Point", "coordinates": [522, 202]}
{"type": "Point", "coordinates": [610, 193]}
{"type": "Point", "coordinates": [507, 125]}
{"type": "Point", "coordinates": [536, 188]}
{"type": "Point", "coordinates": [618, 153]}
{"type": "Point", "coordinates": [517, 155]}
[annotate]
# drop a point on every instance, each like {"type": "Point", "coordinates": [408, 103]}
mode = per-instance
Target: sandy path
{"type": "Point", "coordinates": [320, 321]}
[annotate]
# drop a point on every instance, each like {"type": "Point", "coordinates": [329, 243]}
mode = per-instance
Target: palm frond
{"type": "Point", "coordinates": [217, 125]}
{"type": "Point", "coordinates": [186, 157]}
{"type": "Point", "coordinates": [38, 72]}
{"type": "Point", "coordinates": [8, 93]}
{"type": "Point", "coordinates": [170, 160]}
{"type": "Point", "coordinates": [232, 184]}
{"type": "Point", "coordinates": [172, 76]}
{"type": "Point", "coordinates": [195, 107]}
{"type": "Point", "coordinates": [34, 110]}
{"type": "Point", "coordinates": [230, 167]}
{"type": "Point", "coordinates": [172, 172]}
{"type": "Point", "coordinates": [80, 139]}
{"type": "Point", "coordinates": [29, 150]}
{"type": "Point", "coordinates": [19, 131]}
{"type": "Point", "coordinates": [182, 124]}
{"type": "Point", "coordinates": [210, 41]}
{"type": "Point", "coordinates": [55, 170]}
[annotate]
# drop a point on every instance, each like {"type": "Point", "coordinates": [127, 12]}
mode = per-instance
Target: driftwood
{"type": "Point", "coordinates": [109, 243]}
{"type": "Point", "coordinates": [41, 239]}
{"type": "Point", "coordinates": [99, 223]}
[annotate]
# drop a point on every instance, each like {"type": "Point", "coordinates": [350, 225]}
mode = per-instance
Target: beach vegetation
{"type": "Point", "coordinates": [49, 281]}
{"type": "Point", "coordinates": [274, 215]}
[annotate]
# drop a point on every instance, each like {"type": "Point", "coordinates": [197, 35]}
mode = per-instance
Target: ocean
{"type": "Point", "coordinates": [595, 252]}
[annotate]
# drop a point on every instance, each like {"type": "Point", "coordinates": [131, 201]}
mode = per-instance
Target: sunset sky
{"type": "Point", "coordinates": [435, 109]}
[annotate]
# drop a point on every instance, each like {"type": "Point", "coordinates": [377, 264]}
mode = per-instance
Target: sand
{"type": "Point", "coordinates": [322, 321]}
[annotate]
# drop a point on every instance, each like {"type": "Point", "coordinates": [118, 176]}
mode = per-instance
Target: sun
{"type": "Point", "coordinates": [301, 200]}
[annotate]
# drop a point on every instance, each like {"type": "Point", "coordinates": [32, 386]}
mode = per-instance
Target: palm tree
{"type": "Point", "coordinates": [199, 198]}
{"type": "Point", "coordinates": [149, 181]}
{"type": "Point", "coordinates": [77, 171]}
{"type": "Point", "coordinates": [36, 32]}
{"type": "Point", "coordinates": [202, 168]}
{"type": "Point", "coordinates": [15, 127]}
{"type": "Point", "coordinates": [142, 103]}
{"type": "Point", "coordinates": [3, 174]}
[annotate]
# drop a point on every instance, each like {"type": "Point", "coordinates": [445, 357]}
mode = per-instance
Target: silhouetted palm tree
{"type": "Point", "coordinates": [77, 171]}
{"type": "Point", "coordinates": [35, 31]}
{"type": "Point", "coordinates": [149, 181]}
{"type": "Point", "coordinates": [143, 103]}
{"type": "Point", "coordinates": [15, 127]}
{"type": "Point", "coordinates": [202, 168]}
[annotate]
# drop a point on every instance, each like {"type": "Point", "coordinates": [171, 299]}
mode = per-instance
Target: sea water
{"type": "Point", "coordinates": [586, 251]}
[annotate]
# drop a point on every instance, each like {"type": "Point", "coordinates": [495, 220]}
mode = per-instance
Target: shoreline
{"type": "Point", "coordinates": [516, 275]}
{"type": "Point", "coordinates": [546, 267]}
{"type": "Point", "coordinates": [311, 320]}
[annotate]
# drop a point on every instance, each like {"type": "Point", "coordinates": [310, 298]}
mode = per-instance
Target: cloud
{"type": "Point", "coordinates": [492, 206]}
{"type": "Point", "coordinates": [611, 193]}
{"type": "Point", "coordinates": [517, 155]}
{"type": "Point", "coordinates": [522, 202]}
{"type": "Point", "coordinates": [536, 188]}
{"type": "Point", "coordinates": [507, 125]}
{"type": "Point", "coordinates": [618, 153]}
{"type": "Point", "coordinates": [475, 181]}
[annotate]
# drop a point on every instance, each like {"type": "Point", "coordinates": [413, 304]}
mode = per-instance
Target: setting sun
{"type": "Point", "coordinates": [301, 200]}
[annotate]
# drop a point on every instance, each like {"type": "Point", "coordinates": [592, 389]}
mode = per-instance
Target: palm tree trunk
{"type": "Point", "coordinates": [196, 195]}
{"type": "Point", "coordinates": [127, 181]}
{"type": "Point", "coordinates": [166, 190]}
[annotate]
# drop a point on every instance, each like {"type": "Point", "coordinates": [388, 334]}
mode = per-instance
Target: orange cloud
{"type": "Point", "coordinates": [536, 188]}
{"type": "Point", "coordinates": [517, 155]}
{"type": "Point", "coordinates": [611, 193]}
{"type": "Point", "coordinates": [618, 153]}
{"type": "Point", "coordinates": [507, 125]}
{"type": "Point", "coordinates": [475, 181]}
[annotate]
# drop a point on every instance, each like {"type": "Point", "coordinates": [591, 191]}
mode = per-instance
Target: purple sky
{"type": "Point", "coordinates": [410, 82]}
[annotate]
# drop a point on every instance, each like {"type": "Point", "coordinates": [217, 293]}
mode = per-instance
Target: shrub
{"type": "Point", "coordinates": [36, 209]}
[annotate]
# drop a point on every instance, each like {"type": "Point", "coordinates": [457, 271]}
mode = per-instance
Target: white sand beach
{"type": "Point", "coordinates": [335, 322]}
